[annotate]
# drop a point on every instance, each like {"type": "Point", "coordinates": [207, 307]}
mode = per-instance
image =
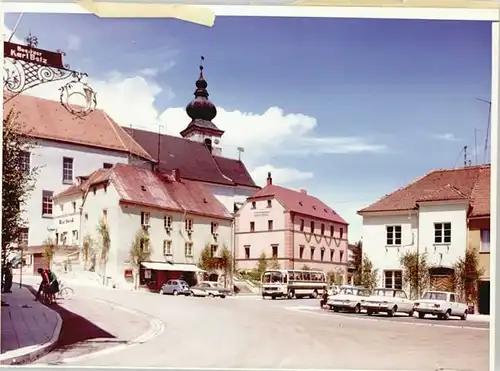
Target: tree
{"type": "Point", "coordinates": [222, 263]}
{"type": "Point", "coordinates": [206, 262]}
{"type": "Point", "coordinates": [334, 278]}
{"type": "Point", "coordinates": [467, 273]}
{"type": "Point", "coordinates": [274, 264]}
{"type": "Point", "coordinates": [139, 253]}
{"type": "Point", "coordinates": [368, 275]}
{"type": "Point", "coordinates": [17, 180]}
{"type": "Point", "coordinates": [226, 263]}
{"type": "Point", "coordinates": [88, 250]}
{"type": "Point", "coordinates": [415, 272]}
{"type": "Point", "coordinates": [49, 247]}
{"type": "Point", "coordinates": [261, 267]}
{"type": "Point", "coordinates": [305, 267]}
{"type": "Point", "coordinates": [105, 243]}
{"type": "Point", "coordinates": [357, 261]}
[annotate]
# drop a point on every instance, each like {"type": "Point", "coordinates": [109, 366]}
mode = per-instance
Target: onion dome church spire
{"type": "Point", "coordinates": [202, 111]}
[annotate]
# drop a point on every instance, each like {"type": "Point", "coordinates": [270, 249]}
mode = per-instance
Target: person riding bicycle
{"type": "Point", "coordinates": [49, 284]}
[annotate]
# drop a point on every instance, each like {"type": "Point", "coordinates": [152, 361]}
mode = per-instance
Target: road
{"type": "Point", "coordinates": [250, 333]}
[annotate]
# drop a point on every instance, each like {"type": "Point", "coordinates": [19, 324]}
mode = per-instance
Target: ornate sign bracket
{"type": "Point", "coordinates": [26, 66]}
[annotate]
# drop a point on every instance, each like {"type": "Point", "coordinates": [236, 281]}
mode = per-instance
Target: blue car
{"type": "Point", "coordinates": [175, 287]}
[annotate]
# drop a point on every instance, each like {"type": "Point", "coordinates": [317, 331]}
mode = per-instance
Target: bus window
{"type": "Point", "coordinates": [306, 276]}
{"type": "Point", "coordinates": [285, 278]}
{"type": "Point", "coordinates": [298, 276]}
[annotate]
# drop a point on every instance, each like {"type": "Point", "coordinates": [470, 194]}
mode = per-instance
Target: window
{"type": "Point", "coordinates": [254, 204]}
{"type": "Point", "coordinates": [252, 226]}
{"type": "Point", "coordinates": [341, 256]}
{"type": "Point", "coordinates": [107, 165]}
{"type": "Point", "coordinates": [144, 245]}
{"type": "Point", "coordinates": [23, 236]}
{"type": "Point", "coordinates": [213, 250]}
{"type": "Point", "coordinates": [393, 280]}
{"type": "Point", "coordinates": [269, 203]}
{"type": "Point", "coordinates": [341, 233]}
{"type": "Point", "coordinates": [332, 254]}
{"type": "Point", "coordinates": [74, 206]}
{"type": "Point", "coordinates": [332, 230]}
{"type": "Point", "coordinates": [188, 248]}
{"type": "Point", "coordinates": [213, 227]}
{"type": "Point", "coordinates": [269, 225]}
{"type": "Point", "coordinates": [393, 233]}
{"type": "Point", "coordinates": [74, 237]}
{"type": "Point", "coordinates": [47, 203]}
{"type": "Point", "coordinates": [167, 247]}
{"type": "Point", "coordinates": [61, 206]}
{"type": "Point", "coordinates": [485, 241]}
{"type": "Point", "coordinates": [67, 170]}
{"type": "Point", "coordinates": [442, 232]}
{"type": "Point", "coordinates": [312, 227]}
{"type": "Point", "coordinates": [312, 252]}
{"type": "Point", "coordinates": [322, 229]}
{"type": "Point", "coordinates": [301, 251]}
{"type": "Point", "coordinates": [247, 252]}
{"type": "Point", "coordinates": [105, 215]}
{"type": "Point", "coordinates": [322, 254]}
{"type": "Point", "coordinates": [25, 164]}
{"type": "Point", "coordinates": [167, 222]}
{"type": "Point", "coordinates": [188, 224]}
{"type": "Point", "coordinates": [145, 219]}
{"type": "Point", "coordinates": [274, 251]}
{"type": "Point", "coordinates": [302, 225]}
{"type": "Point", "coordinates": [452, 298]}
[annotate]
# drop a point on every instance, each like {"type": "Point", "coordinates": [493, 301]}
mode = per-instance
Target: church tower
{"type": "Point", "coordinates": [202, 112]}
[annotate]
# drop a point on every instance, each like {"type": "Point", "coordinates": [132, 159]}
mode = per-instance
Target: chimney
{"type": "Point", "coordinates": [208, 144]}
{"type": "Point", "coordinates": [303, 191]}
{"type": "Point", "coordinates": [269, 179]}
{"type": "Point", "coordinates": [177, 175]}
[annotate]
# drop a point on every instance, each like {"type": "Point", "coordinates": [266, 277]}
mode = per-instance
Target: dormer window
{"type": "Point", "coordinates": [254, 205]}
{"type": "Point", "coordinates": [269, 203]}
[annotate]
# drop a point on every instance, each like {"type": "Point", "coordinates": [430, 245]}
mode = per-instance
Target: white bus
{"type": "Point", "coordinates": [292, 283]}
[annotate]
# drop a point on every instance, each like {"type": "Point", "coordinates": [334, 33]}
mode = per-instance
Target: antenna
{"type": "Point", "coordinates": [240, 151]}
{"type": "Point", "coordinates": [159, 146]}
{"type": "Point", "coordinates": [465, 156]}
{"type": "Point", "coordinates": [486, 138]}
{"type": "Point", "coordinates": [15, 27]}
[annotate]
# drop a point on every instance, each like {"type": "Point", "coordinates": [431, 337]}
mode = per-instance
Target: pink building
{"type": "Point", "coordinates": [293, 227]}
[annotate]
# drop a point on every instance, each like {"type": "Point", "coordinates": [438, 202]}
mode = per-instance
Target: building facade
{"type": "Point", "coordinates": [430, 216]}
{"type": "Point", "coordinates": [179, 217]}
{"type": "Point", "coordinates": [292, 227]}
{"type": "Point", "coordinates": [65, 147]}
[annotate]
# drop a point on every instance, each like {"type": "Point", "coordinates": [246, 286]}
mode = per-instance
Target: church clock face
{"type": "Point", "coordinates": [216, 141]}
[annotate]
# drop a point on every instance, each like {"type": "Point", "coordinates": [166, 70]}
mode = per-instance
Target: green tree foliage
{"type": "Point", "coordinates": [274, 264]}
{"type": "Point", "coordinates": [357, 262]}
{"type": "Point", "coordinates": [305, 267]}
{"type": "Point", "coordinates": [139, 252]}
{"type": "Point", "coordinates": [415, 272]}
{"type": "Point", "coordinates": [368, 275]}
{"type": "Point", "coordinates": [261, 266]}
{"type": "Point", "coordinates": [49, 247]}
{"type": "Point", "coordinates": [105, 240]}
{"type": "Point", "coordinates": [334, 278]}
{"type": "Point", "coordinates": [87, 250]}
{"type": "Point", "coordinates": [16, 183]}
{"type": "Point", "coordinates": [467, 273]}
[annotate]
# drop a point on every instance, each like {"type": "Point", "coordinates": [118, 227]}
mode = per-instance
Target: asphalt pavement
{"type": "Point", "coordinates": [252, 333]}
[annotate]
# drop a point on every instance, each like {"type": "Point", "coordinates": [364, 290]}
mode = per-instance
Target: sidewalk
{"type": "Point", "coordinates": [29, 329]}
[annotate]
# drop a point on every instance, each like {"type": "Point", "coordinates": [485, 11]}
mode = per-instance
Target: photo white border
{"type": "Point", "coordinates": [466, 14]}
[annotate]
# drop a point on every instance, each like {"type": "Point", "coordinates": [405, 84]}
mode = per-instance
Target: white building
{"type": "Point", "coordinates": [428, 216]}
{"type": "Point", "coordinates": [180, 217]}
{"type": "Point", "coordinates": [66, 147]}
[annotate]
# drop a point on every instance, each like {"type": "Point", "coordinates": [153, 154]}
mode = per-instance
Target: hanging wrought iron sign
{"type": "Point", "coordinates": [26, 66]}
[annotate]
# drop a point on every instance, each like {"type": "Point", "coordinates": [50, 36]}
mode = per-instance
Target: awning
{"type": "Point", "coordinates": [172, 267]}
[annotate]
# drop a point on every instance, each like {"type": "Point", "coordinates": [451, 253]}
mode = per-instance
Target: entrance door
{"type": "Point", "coordinates": [483, 301]}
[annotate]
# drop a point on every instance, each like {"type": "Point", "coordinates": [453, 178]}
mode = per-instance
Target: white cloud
{"type": "Point", "coordinates": [7, 33]}
{"type": "Point", "coordinates": [74, 42]}
{"type": "Point", "coordinates": [450, 137]}
{"type": "Point", "coordinates": [279, 175]}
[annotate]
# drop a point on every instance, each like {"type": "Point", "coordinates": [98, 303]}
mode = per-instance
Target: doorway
{"type": "Point", "coordinates": [483, 297]}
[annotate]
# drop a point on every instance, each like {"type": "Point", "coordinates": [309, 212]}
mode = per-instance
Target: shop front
{"type": "Point", "coordinates": [154, 274]}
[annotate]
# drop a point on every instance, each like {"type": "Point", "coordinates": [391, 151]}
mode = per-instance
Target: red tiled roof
{"type": "Point", "coordinates": [193, 159]}
{"type": "Point", "coordinates": [439, 185]}
{"type": "Point", "coordinates": [48, 119]}
{"type": "Point", "coordinates": [96, 177]}
{"type": "Point", "coordinates": [299, 202]}
{"type": "Point", "coordinates": [481, 194]}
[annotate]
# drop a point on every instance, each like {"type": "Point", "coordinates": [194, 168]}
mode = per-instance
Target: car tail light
{"type": "Point", "coordinates": [384, 302]}
{"type": "Point", "coordinates": [436, 305]}
{"type": "Point", "coordinates": [417, 304]}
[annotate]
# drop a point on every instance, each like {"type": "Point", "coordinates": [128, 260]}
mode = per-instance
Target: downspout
{"type": "Point", "coordinates": [292, 218]}
{"type": "Point", "coordinates": [418, 253]}
{"type": "Point", "coordinates": [233, 260]}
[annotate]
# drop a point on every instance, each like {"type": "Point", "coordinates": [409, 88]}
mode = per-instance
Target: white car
{"type": "Point", "coordinates": [441, 304]}
{"type": "Point", "coordinates": [349, 298]}
{"type": "Point", "coordinates": [390, 301]}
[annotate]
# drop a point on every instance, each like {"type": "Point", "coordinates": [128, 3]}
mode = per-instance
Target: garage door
{"type": "Point", "coordinates": [441, 283]}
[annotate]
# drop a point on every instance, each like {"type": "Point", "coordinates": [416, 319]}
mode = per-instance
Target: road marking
{"type": "Point", "coordinates": [156, 327]}
{"type": "Point", "coordinates": [321, 312]}
{"type": "Point", "coordinates": [210, 368]}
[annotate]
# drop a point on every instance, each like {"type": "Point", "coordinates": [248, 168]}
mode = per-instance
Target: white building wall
{"type": "Point", "coordinates": [228, 196]}
{"type": "Point", "coordinates": [48, 158]}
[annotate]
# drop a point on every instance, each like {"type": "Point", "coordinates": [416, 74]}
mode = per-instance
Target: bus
{"type": "Point", "coordinates": [291, 283]}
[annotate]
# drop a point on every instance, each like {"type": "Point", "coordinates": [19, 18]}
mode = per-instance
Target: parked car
{"type": "Point", "coordinates": [390, 301]}
{"type": "Point", "coordinates": [441, 304]}
{"type": "Point", "coordinates": [211, 289]}
{"type": "Point", "coordinates": [175, 287]}
{"type": "Point", "coordinates": [349, 298]}
{"type": "Point", "coordinates": [333, 290]}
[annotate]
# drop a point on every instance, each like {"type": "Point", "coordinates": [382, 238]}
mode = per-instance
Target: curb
{"type": "Point", "coordinates": [32, 353]}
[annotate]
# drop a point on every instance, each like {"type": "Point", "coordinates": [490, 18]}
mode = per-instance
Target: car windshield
{"type": "Point", "coordinates": [272, 277]}
{"type": "Point", "coordinates": [429, 295]}
{"type": "Point", "coordinates": [183, 283]}
{"type": "Point", "coordinates": [354, 291]}
{"type": "Point", "coordinates": [384, 292]}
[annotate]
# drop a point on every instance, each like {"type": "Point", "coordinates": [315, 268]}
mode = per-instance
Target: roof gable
{"type": "Point", "coordinates": [445, 193]}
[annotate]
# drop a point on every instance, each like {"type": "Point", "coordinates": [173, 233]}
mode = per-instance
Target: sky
{"type": "Point", "coordinates": [348, 109]}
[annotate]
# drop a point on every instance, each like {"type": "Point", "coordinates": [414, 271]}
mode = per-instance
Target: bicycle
{"type": "Point", "coordinates": [65, 292]}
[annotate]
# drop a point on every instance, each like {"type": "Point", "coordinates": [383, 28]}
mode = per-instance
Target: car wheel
{"type": "Point", "coordinates": [314, 294]}
{"type": "Point", "coordinates": [369, 312]}
{"type": "Point", "coordinates": [391, 312]}
{"type": "Point", "coordinates": [410, 313]}
{"type": "Point", "coordinates": [161, 292]}
{"type": "Point", "coordinates": [291, 294]}
{"type": "Point", "coordinates": [273, 297]}
{"type": "Point", "coordinates": [463, 317]}
{"type": "Point", "coordinates": [175, 293]}
{"type": "Point", "coordinates": [421, 315]}
{"type": "Point", "coordinates": [191, 293]}
{"type": "Point", "coordinates": [357, 309]}
{"type": "Point", "coordinates": [223, 296]}
{"type": "Point", "coordinates": [447, 314]}
{"type": "Point", "coordinates": [210, 295]}
{"type": "Point", "coordinates": [336, 310]}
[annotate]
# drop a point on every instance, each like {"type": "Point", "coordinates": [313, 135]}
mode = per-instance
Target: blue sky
{"type": "Point", "coordinates": [349, 109]}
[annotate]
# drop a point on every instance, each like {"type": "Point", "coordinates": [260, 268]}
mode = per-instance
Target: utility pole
{"type": "Point", "coordinates": [465, 156]}
{"type": "Point", "coordinates": [240, 151]}
{"type": "Point", "coordinates": [475, 146]}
